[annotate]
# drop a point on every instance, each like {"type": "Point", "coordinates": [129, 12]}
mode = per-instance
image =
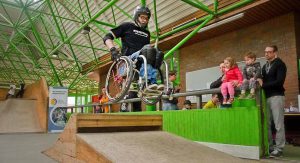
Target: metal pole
{"type": "Point", "coordinates": [234, 6]}
{"type": "Point", "coordinates": [199, 5]}
{"type": "Point", "coordinates": [85, 24]}
{"type": "Point", "coordinates": [197, 21]}
{"type": "Point", "coordinates": [130, 106]}
{"type": "Point", "coordinates": [143, 3]}
{"type": "Point", "coordinates": [188, 37]}
{"type": "Point", "coordinates": [156, 24]}
{"type": "Point", "coordinates": [216, 3]}
{"type": "Point", "coordinates": [199, 101]}
{"type": "Point", "coordinates": [34, 10]}
{"type": "Point", "coordinates": [39, 40]}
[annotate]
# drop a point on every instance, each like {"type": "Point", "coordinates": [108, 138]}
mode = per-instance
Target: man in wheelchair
{"type": "Point", "coordinates": [134, 36]}
{"type": "Point", "coordinates": [154, 59]}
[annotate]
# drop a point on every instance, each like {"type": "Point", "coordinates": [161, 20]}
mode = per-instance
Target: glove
{"type": "Point", "coordinates": [115, 54]}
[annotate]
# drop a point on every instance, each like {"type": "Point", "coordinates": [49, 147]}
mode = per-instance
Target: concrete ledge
{"type": "Point", "coordinates": [249, 152]}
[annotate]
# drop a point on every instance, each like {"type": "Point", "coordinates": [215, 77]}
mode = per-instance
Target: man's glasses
{"type": "Point", "coordinates": [144, 17]}
{"type": "Point", "coordinates": [268, 52]}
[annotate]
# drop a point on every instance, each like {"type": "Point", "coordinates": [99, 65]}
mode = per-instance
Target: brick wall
{"type": "Point", "coordinates": [279, 31]}
{"type": "Point", "coordinates": [297, 30]}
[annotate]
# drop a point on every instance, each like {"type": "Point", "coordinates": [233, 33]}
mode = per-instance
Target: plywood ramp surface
{"type": "Point", "coordinates": [151, 146]}
{"type": "Point", "coordinates": [18, 115]}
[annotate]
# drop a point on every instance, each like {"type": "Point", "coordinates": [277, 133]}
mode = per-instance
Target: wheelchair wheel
{"type": "Point", "coordinates": [118, 79]}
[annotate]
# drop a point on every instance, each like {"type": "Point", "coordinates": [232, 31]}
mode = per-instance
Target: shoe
{"type": "Point", "coordinates": [133, 87]}
{"type": "Point", "coordinates": [152, 87]}
{"type": "Point", "coordinates": [276, 153]}
{"type": "Point", "coordinates": [251, 96]}
{"type": "Point", "coordinates": [230, 101]}
{"type": "Point", "coordinates": [161, 87]}
{"type": "Point", "coordinates": [242, 96]}
{"type": "Point", "coordinates": [150, 92]}
{"type": "Point", "coordinates": [224, 102]}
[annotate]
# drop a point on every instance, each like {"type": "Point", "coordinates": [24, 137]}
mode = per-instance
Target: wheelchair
{"type": "Point", "coordinates": [123, 73]}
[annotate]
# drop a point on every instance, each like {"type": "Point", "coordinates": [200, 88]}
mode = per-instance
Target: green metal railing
{"type": "Point", "coordinates": [34, 39]}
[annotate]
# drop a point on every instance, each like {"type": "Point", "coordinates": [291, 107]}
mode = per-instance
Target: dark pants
{"type": "Point", "coordinates": [136, 106]}
{"type": "Point", "coordinates": [20, 94]}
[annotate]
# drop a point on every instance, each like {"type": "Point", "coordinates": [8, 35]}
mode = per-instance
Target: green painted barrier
{"type": "Point", "coordinates": [244, 103]}
{"type": "Point", "coordinates": [240, 124]}
{"type": "Point", "coordinates": [150, 107]}
{"type": "Point", "coordinates": [248, 102]}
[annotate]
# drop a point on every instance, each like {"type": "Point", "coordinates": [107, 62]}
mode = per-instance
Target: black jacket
{"type": "Point", "coordinates": [133, 37]}
{"type": "Point", "coordinates": [217, 83]}
{"type": "Point", "coordinates": [273, 79]}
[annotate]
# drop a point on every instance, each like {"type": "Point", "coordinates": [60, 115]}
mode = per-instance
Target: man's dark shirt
{"type": "Point", "coordinates": [133, 37]}
{"type": "Point", "coordinates": [217, 84]}
{"type": "Point", "coordinates": [274, 74]}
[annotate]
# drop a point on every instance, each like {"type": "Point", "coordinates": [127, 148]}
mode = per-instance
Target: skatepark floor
{"type": "Point", "coordinates": [25, 147]}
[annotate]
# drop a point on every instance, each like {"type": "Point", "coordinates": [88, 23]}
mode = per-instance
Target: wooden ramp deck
{"type": "Point", "coordinates": [127, 139]}
{"type": "Point", "coordinates": [18, 116]}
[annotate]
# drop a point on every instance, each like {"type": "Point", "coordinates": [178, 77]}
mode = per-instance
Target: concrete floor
{"type": "Point", "coordinates": [291, 154]}
{"type": "Point", "coordinates": [25, 148]}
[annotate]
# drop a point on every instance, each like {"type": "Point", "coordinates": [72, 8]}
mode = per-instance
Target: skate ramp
{"type": "Point", "coordinates": [18, 116]}
{"type": "Point", "coordinates": [151, 146]}
{"type": "Point", "coordinates": [127, 139]}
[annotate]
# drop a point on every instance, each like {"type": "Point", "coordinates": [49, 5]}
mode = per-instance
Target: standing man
{"type": "Point", "coordinates": [171, 103]}
{"type": "Point", "coordinates": [274, 73]}
{"type": "Point", "coordinates": [21, 92]}
{"type": "Point", "coordinates": [134, 36]}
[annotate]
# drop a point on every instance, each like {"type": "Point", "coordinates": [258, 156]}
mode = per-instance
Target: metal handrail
{"type": "Point", "coordinates": [197, 93]}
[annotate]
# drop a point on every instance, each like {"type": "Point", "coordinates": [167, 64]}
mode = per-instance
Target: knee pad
{"type": "Point", "coordinates": [150, 54]}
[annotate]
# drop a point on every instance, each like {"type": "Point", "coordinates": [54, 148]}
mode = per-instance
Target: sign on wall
{"type": "Point", "coordinates": [58, 98]}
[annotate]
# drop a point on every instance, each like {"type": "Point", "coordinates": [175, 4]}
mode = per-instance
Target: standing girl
{"type": "Point", "coordinates": [233, 78]}
{"type": "Point", "coordinates": [104, 99]}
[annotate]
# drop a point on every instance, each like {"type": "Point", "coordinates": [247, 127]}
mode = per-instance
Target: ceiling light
{"type": "Point", "coordinates": [55, 54]}
{"type": "Point", "coordinates": [224, 21]}
{"type": "Point", "coordinates": [86, 30]}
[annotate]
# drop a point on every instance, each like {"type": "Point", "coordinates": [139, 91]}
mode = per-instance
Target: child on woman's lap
{"type": "Point", "coordinates": [233, 78]}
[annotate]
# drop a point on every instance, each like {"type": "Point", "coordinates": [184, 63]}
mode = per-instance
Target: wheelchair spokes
{"type": "Point", "coordinates": [120, 76]}
{"type": "Point", "coordinates": [118, 79]}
